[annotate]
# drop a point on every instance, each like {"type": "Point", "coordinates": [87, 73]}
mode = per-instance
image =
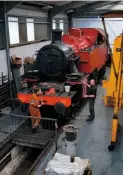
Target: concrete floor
{"type": "Point", "coordinates": [94, 138]}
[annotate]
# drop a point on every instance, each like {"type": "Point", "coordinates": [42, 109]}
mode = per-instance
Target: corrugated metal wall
{"type": "Point", "coordinates": [113, 26]}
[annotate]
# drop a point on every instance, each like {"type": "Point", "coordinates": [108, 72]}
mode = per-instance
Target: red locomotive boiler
{"type": "Point", "coordinates": [90, 45]}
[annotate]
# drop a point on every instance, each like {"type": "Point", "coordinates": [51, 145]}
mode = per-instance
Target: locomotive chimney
{"type": "Point", "coordinates": [56, 35]}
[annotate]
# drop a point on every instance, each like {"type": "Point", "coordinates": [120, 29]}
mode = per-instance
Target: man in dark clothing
{"type": "Point", "coordinates": [91, 98]}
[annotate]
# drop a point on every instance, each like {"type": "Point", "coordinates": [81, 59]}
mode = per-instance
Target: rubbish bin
{"type": "Point", "coordinates": [70, 140]}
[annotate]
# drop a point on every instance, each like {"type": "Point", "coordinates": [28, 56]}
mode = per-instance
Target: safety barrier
{"type": "Point", "coordinates": [21, 126]}
{"type": "Point", "coordinates": [9, 123]}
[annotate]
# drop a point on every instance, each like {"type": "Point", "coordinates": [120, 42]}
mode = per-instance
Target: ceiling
{"type": "Point", "coordinates": [75, 8]}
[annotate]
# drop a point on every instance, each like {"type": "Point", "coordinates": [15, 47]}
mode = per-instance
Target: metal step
{"type": "Point", "coordinates": [35, 140]}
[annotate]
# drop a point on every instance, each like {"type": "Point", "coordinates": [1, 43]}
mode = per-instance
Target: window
{"type": "Point", "coordinates": [54, 24]}
{"type": "Point", "coordinates": [30, 29]}
{"type": "Point", "coordinates": [13, 30]}
{"type": "Point", "coordinates": [58, 25]}
{"type": "Point", "coordinates": [61, 25]}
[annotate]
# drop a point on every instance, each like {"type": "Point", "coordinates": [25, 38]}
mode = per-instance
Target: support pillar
{"type": "Point", "coordinates": [49, 24]}
{"type": "Point", "coordinates": [70, 22]}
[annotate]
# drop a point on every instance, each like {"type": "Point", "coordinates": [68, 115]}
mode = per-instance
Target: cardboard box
{"type": "Point", "coordinates": [28, 60]}
{"type": "Point", "coordinates": [16, 60]}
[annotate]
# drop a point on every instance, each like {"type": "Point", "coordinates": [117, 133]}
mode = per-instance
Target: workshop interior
{"type": "Point", "coordinates": [61, 87]}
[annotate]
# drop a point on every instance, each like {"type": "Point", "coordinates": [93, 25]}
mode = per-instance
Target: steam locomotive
{"type": "Point", "coordinates": [63, 65]}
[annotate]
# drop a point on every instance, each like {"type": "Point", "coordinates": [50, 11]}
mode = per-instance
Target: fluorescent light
{"type": "Point", "coordinates": [69, 11]}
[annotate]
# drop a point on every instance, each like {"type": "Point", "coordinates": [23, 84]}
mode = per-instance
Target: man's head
{"type": "Point", "coordinates": [92, 82]}
{"type": "Point", "coordinates": [37, 91]}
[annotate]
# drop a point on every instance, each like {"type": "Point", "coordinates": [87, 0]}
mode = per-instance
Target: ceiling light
{"type": "Point", "coordinates": [69, 11]}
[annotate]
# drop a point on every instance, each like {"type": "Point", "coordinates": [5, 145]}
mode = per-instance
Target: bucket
{"type": "Point", "coordinates": [69, 148]}
{"type": "Point", "coordinates": [67, 88]}
{"type": "Point", "coordinates": [70, 133]}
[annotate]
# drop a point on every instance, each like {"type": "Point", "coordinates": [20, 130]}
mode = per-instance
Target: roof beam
{"type": "Point", "coordinates": [58, 9]}
{"type": "Point", "coordinates": [78, 9]}
{"type": "Point", "coordinates": [105, 14]}
{"type": "Point", "coordinates": [95, 5]}
{"type": "Point", "coordinates": [11, 4]}
{"type": "Point", "coordinates": [28, 7]}
{"type": "Point", "coordinates": [39, 3]}
{"type": "Point", "coordinates": [1, 10]}
{"type": "Point", "coordinates": [97, 12]}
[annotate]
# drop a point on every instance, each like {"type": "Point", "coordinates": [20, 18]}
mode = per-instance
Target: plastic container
{"type": "Point", "coordinates": [67, 88]}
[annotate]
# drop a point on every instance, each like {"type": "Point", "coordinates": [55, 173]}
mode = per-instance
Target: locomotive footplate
{"type": "Point", "coordinates": [74, 77]}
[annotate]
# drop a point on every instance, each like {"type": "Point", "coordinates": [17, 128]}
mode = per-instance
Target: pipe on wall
{"type": "Point", "coordinates": [7, 49]}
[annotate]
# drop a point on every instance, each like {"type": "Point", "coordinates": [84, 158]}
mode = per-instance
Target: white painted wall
{"type": "Point", "coordinates": [27, 50]}
{"type": "Point", "coordinates": [3, 62]}
{"type": "Point", "coordinates": [22, 52]}
{"type": "Point", "coordinates": [113, 25]}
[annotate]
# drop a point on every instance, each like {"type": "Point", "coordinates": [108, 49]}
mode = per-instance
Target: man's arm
{"type": "Point", "coordinates": [85, 83]}
{"type": "Point", "coordinates": [91, 96]}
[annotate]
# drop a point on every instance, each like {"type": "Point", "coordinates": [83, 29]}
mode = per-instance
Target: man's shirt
{"type": "Point", "coordinates": [92, 90]}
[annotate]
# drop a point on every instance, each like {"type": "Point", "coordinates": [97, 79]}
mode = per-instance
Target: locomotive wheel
{"type": "Point", "coordinates": [62, 119]}
{"type": "Point", "coordinates": [61, 112]}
